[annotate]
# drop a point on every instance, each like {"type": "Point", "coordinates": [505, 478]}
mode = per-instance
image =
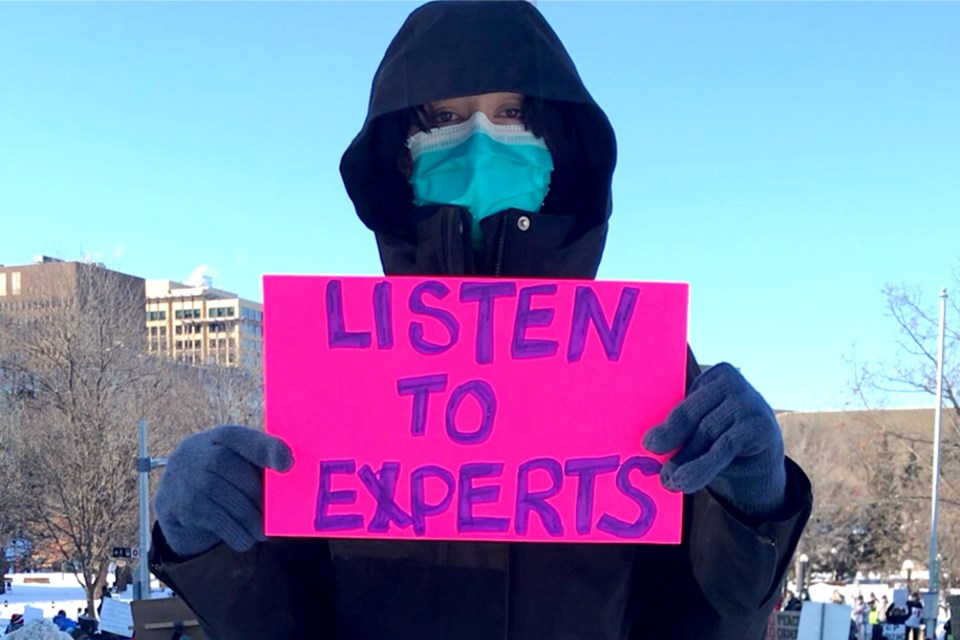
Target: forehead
{"type": "Point", "coordinates": [480, 99]}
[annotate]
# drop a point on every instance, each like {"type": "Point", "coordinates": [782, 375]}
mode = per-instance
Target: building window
{"type": "Point", "coordinates": [221, 312]}
{"type": "Point", "coordinates": [178, 345]}
{"type": "Point", "coordinates": [178, 330]}
{"type": "Point", "coordinates": [15, 283]}
{"type": "Point", "coordinates": [3, 284]}
{"type": "Point", "coordinates": [153, 316]}
{"type": "Point", "coordinates": [197, 344]}
{"type": "Point", "coordinates": [153, 331]}
{"type": "Point", "coordinates": [213, 343]}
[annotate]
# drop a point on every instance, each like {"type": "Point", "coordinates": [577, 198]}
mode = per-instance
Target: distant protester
{"type": "Point", "coordinates": [63, 622]}
{"type": "Point", "coordinates": [16, 622]}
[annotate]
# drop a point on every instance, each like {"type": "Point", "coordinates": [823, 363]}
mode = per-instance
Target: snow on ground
{"type": "Point", "coordinates": [62, 592]}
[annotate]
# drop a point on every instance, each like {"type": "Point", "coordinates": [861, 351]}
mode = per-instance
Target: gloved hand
{"type": "Point", "coordinates": [728, 440]}
{"type": "Point", "coordinates": [212, 489]}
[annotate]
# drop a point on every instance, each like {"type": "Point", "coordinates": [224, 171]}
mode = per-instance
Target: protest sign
{"type": "Point", "coordinates": [783, 625]}
{"type": "Point", "coordinates": [32, 613]}
{"type": "Point", "coordinates": [824, 621]}
{"type": "Point", "coordinates": [900, 598]}
{"type": "Point", "coordinates": [116, 617]}
{"type": "Point", "coordinates": [471, 409]}
{"type": "Point", "coordinates": [164, 618]}
{"type": "Point", "coordinates": [894, 631]}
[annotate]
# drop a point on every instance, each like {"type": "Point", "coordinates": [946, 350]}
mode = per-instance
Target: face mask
{"type": "Point", "coordinates": [481, 166]}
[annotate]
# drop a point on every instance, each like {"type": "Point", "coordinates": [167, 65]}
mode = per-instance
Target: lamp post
{"type": "Point", "coordinates": [141, 585]}
{"type": "Point", "coordinates": [802, 563]}
{"type": "Point", "coordinates": [932, 600]}
{"type": "Point", "coordinates": [907, 568]}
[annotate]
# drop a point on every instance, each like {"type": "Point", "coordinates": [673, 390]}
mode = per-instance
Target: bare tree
{"type": "Point", "coordinates": [77, 378]}
{"type": "Point", "coordinates": [913, 372]}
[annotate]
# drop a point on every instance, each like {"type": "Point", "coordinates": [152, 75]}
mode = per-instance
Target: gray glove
{"type": "Point", "coordinates": [212, 489]}
{"type": "Point", "coordinates": [728, 440]}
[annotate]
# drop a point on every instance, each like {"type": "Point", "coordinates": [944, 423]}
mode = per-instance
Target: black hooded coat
{"type": "Point", "coordinates": [720, 584]}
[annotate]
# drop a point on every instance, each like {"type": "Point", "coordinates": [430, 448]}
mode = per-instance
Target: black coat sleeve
{"type": "Point", "coordinates": [282, 588]}
{"type": "Point", "coordinates": [728, 572]}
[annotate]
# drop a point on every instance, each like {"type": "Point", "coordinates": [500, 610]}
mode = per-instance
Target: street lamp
{"type": "Point", "coordinates": [907, 569]}
{"type": "Point", "coordinates": [804, 561]}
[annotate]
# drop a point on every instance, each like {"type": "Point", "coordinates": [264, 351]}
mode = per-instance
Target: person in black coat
{"type": "Point", "coordinates": [456, 71]}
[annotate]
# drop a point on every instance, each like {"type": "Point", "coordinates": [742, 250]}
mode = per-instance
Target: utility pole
{"type": "Point", "coordinates": [141, 586]}
{"type": "Point", "coordinates": [932, 605]}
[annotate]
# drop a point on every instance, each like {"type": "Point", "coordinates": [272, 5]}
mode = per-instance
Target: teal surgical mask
{"type": "Point", "coordinates": [481, 166]}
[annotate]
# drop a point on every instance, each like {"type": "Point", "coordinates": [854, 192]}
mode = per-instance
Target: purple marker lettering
{"type": "Point", "coordinates": [586, 470]}
{"type": "Point", "coordinates": [383, 314]}
{"type": "Point", "coordinates": [337, 335]}
{"type": "Point", "coordinates": [326, 497]}
{"type": "Point", "coordinates": [648, 508]}
{"type": "Point", "coordinates": [523, 347]}
{"type": "Point", "coordinates": [470, 495]}
{"type": "Point", "coordinates": [484, 395]}
{"type": "Point", "coordinates": [586, 308]}
{"type": "Point", "coordinates": [419, 507]}
{"type": "Point", "coordinates": [447, 319]}
{"type": "Point", "coordinates": [420, 387]}
{"type": "Point", "coordinates": [485, 293]}
{"type": "Point", "coordinates": [537, 500]}
{"type": "Point", "coordinates": [382, 486]}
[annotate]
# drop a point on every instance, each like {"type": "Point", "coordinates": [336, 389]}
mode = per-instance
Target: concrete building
{"type": "Point", "coordinates": [50, 285]}
{"type": "Point", "coordinates": [203, 325]}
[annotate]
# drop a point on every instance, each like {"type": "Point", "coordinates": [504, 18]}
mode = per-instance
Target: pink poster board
{"type": "Point", "coordinates": [472, 409]}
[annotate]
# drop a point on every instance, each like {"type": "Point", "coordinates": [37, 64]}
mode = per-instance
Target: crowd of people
{"type": "Point", "coordinates": [870, 614]}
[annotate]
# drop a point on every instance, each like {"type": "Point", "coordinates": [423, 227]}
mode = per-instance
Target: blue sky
{"type": "Point", "coordinates": [786, 159]}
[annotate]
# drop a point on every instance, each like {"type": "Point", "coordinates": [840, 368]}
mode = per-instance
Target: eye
{"type": "Point", "coordinates": [443, 118]}
{"type": "Point", "coordinates": [511, 113]}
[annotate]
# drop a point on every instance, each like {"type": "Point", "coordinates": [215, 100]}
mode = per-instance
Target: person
{"type": "Point", "coordinates": [882, 609]}
{"type": "Point", "coordinates": [791, 602]}
{"type": "Point", "coordinates": [914, 620]}
{"type": "Point", "coordinates": [16, 622]}
{"type": "Point", "coordinates": [465, 91]}
{"type": "Point", "coordinates": [104, 594]}
{"type": "Point", "coordinates": [63, 622]}
{"type": "Point", "coordinates": [860, 615]}
{"type": "Point", "coordinates": [896, 615]}
{"type": "Point", "coordinates": [87, 623]}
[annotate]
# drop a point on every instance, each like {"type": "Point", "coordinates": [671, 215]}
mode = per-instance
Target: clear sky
{"type": "Point", "coordinates": [786, 159]}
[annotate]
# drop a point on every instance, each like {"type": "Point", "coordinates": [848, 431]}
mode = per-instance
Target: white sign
{"type": "Point", "coordinates": [116, 617]}
{"type": "Point", "coordinates": [900, 598]}
{"type": "Point", "coordinates": [32, 613]}
{"type": "Point", "coordinates": [824, 621]}
{"type": "Point", "coordinates": [894, 631]}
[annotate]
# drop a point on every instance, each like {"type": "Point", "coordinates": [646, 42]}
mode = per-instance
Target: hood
{"type": "Point", "coordinates": [454, 48]}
